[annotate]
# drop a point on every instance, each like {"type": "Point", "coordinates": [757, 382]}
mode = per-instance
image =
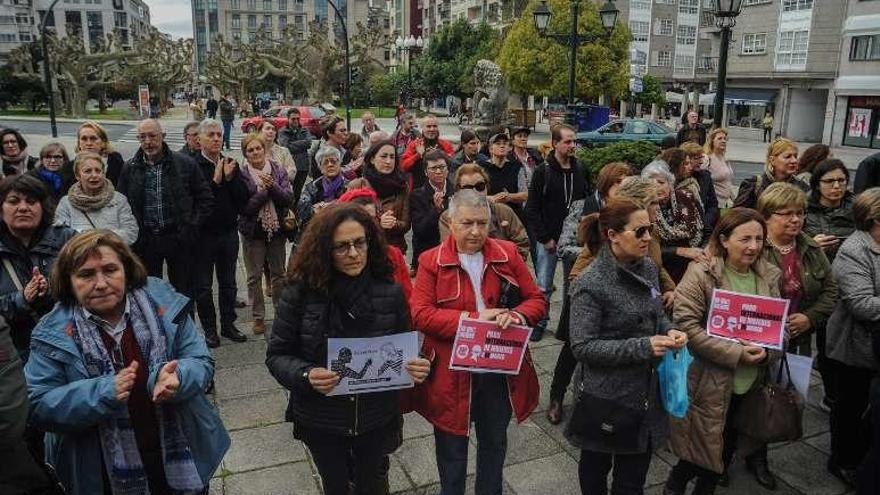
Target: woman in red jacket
{"type": "Point", "coordinates": [471, 275]}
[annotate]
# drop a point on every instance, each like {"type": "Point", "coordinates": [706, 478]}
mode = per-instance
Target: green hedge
{"type": "Point", "coordinates": [636, 153]}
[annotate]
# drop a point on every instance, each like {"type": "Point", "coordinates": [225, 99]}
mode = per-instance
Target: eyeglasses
{"type": "Point", "coordinates": [640, 231]}
{"type": "Point", "coordinates": [790, 214]}
{"type": "Point", "coordinates": [53, 157]}
{"type": "Point", "coordinates": [149, 136]}
{"type": "Point", "coordinates": [479, 186]}
{"type": "Point", "coordinates": [437, 168]}
{"type": "Point", "coordinates": [834, 182]}
{"type": "Point", "coordinates": [341, 249]}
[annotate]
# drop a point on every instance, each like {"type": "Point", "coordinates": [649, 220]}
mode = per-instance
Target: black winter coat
{"type": "Point", "coordinates": [21, 316]}
{"type": "Point", "coordinates": [191, 194]}
{"type": "Point", "coordinates": [298, 141]}
{"type": "Point", "coordinates": [425, 218]}
{"type": "Point", "coordinates": [546, 208]}
{"type": "Point", "coordinates": [304, 321]}
{"type": "Point", "coordinates": [750, 189]}
{"type": "Point", "coordinates": [868, 174]}
{"type": "Point", "coordinates": [229, 198]}
{"type": "Point", "coordinates": [709, 201]}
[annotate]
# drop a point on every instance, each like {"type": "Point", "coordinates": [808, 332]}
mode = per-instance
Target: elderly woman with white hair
{"type": "Point", "coordinates": [324, 190]}
{"type": "Point", "coordinates": [679, 222]}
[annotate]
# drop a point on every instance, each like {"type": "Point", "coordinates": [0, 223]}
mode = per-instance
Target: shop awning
{"type": "Point", "coordinates": [754, 97]}
{"type": "Point", "coordinates": [673, 97]}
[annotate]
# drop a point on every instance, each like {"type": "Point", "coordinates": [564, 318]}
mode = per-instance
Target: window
{"type": "Point", "coordinates": [267, 21]}
{"type": "Point", "coordinates": [267, 4]}
{"type": "Point", "coordinates": [640, 5]}
{"type": "Point", "coordinates": [282, 4]}
{"type": "Point", "coordinates": [24, 36]}
{"type": "Point", "coordinates": [684, 64]}
{"type": "Point", "coordinates": [73, 22]}
{"type": "Point", "coordinates": [252, 4]}
{"type": "Point", "coordinates": [754, 44]}
{"type": "Point", "coordinates": [7, 38]}
{"type": "Point", "coordinates": [234, 5]}
{"type": "Point", "coordinates": [791, 50]}
{"type": "Point", "coordinates": [789, 5]}
{"type": "Point", "coordinates": [236, 21]}
{"type": "Point", "coordinates": [282, 22]}
{"type": "Point", "coordinates": [688, 6]}
{"type": "Point", "coordinates": [665, 2]}
{"type": "Point", "coordinates": [640, 30]}
{"type": "Point", "coordinates": [663, 27]}
{"type": "Point", "coordinates": [252, 22]}
{"type": "Point", "coordinates": [687, 35]}
{"type": "Point", "coordinates": [120, 19]}
{"type": "Point", "coordinates": [706, 63]}
{"type": "Point", "coordinates": [865, 48]}
{"type": "Point", "coordinates": [662, 58]}
{"type": "Point", "coordinates": [749, 3]}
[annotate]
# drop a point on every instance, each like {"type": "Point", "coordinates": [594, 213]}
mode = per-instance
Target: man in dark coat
{"type": "Point", "coordinates": [192, 147]}
{"type": "Point", "coordinates": [211, 107]}
{"type": "Point", "coordinates": [428, 202]}
{"type": "Point", "coordinates": [171, 200]}
{"type": "Point", "coordinates": [693, 130]}
{"type": "Point", "coordinates": [298, 140]}
{"type": "Point", "coordinates": [227, 116]}
{"type": "Point", "coordinates": [868, 174]}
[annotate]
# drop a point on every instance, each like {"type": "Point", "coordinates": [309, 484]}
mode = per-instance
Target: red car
{"type": "Point", "coordinates": [309, 118]}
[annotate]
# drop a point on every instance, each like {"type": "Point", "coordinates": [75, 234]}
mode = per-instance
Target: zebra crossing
{"type": "Point", "coordinates": [174, 135]}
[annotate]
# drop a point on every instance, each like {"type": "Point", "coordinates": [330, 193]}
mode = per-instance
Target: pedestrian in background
{"type": "Point", "coordinates": [211, 107]}
{"type": "Point", "coordinates": [340, 285]}
{"type": "Point", "coordinates": [412, 161]}
{"type": "Point", "coordinates": [619, 332]}
{"type": "Point", "coordinates": [692, 130]}
{"type": "Point", "coordinates": [811, 157]}
{"type": "Point", "coordinates": [227, 116]}
{"type": "Point", "coordinates": [767, 125]}
{"type": "Point", "coordinates": [93, 203]}
{"type": "Point", "coordinates": [406, 131]}
{"type": "Point", "coordinates": [136, 418]}
{"type": "Point", "coordinates": [297, 139]}
{"type": "Point", "coordinates": [719, 167]}
{"type": "Point", "coordinates": [368, 125]}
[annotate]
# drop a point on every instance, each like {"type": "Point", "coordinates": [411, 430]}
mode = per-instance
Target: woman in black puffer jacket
{"type": "Point", "coordinates": [340, 285]}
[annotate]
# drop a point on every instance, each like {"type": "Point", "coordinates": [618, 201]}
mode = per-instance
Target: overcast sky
{"type": "Point", "coordinates": [172, 16]}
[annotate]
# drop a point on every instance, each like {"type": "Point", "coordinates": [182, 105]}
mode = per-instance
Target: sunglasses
{"type": "Point", "coordinates": [641, 231]}
{"type": "Point", "coordinates": [479, 186]}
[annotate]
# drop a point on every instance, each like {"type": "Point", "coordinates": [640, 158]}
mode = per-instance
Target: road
{"type": "Point", "coordinates": [65, 129]}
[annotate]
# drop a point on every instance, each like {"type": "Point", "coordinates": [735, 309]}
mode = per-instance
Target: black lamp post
{"type": "Point", "coordinates": [725, 12]}
{"type": "Point", "coordinates": [573, 39]}
{"type": "Point", "coordinates": [47, 73]}
{"type": "Point", "coordinates": [409, 45]}
{"type": "Point", "coordinates": [347, 64]}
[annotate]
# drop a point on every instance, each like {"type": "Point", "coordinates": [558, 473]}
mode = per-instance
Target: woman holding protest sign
{"type": "Point", "coordinates": [340, 285]}
{"type": "Point", "coordinates": [723, 370]}
{"type": "Point", "coordinates": [619, 329]}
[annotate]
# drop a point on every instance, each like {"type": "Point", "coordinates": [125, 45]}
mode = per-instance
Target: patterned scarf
{"type": "Point", "coordinates": [268, 216]}
{"type": "Point", "coordinates": [680, 220]}
{"type": "Point", "coordinates": [118, 444]}
{"type": "Point", "coordinates": [83, 201]}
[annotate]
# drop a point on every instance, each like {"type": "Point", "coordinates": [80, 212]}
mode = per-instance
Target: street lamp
{"type": "Point", "coordinates": [725, 12]}
{"type": "Point", "coordinates": [409, 45]}
{"type": "Point", "coordinates": [608, 14]}
{"type": "Point", "coordinates": [47, 74]}
{"type": "Point", "coordinates": [347, 64]}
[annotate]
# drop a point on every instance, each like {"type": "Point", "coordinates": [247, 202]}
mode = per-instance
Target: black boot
{"type": "Point", "coordinates": [704, 486]}
{"type": "Point", "coordinates": [211, 338]}
{"type": "Point", "coordinates": [678, 479]}
{"type": "Point", "coordinates": [233, 334]}
{"type": "Point", "coordinates": [757, 465]}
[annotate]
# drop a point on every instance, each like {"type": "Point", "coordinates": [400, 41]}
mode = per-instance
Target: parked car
{"type": "Point", "coordinates": [625, 130]}
{"type": "Point", "coordinates": [310, 117]}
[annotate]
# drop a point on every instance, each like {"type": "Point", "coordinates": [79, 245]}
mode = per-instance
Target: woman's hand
{"type": "Point", "coordinates": [388, 220]}
{"type": "Point", "coordinates": [323, 380]}
{"type": "Point", "coordinates": [125, 381]}
{"type": "Point", "coordinates": [228, 167]}
{"type": "Point", "coordinates": [356, 164]}
{"type": "Point", "coordinates": [696, 254]}
{"type": "Point", "coordinates": [167, 383]}
{"type": "Point", "coordinates": [826, 241]}
{"type": "Point", "coordinates": [36, 287]}
{"type": "Point", "coordinates": [752, 354]}
{"type": "Point", "coordinates": [660, 343]}
{"type": "Point", "coordinates": [418, 369]}
{"type": "Point", "coordinates": [501, 197]}
{"type": "Point", "coordinates": [798, 323]}
{"type": "Point", "coordinates": [679, 338]}
{"type": "Point", "coordinates": [668, 299]}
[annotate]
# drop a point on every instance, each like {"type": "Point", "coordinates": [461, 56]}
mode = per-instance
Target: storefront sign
{"type": "Point", "coordinates": [859, 122]}
{"type": "Point", "coordinates": [484, 347]}
{"type": "Point", "coordinates": [756, 319]}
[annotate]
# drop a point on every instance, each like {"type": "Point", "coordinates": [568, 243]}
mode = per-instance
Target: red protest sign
{"type": "Point", "coordinates": [756, 319]}
{"type": "Point", "coordinates": [483, 346]}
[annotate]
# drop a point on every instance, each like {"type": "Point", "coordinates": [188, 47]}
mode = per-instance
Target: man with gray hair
{"type": "Point", "coordinates": [171, 200]}
{"type": "Point", "coordinates": [471, 275]}
{"type": "Point", "coordinates": [368, 119]}
{"type": "Point", "coordinates": [218, 238]}
{"type": "Point", "coordinates": [192, 147]}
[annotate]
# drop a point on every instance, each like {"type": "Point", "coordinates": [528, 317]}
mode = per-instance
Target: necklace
{"type": "Point", "coordinates": [783, 250]}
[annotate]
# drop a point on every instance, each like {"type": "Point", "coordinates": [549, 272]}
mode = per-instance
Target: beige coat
{"type": "Point", "coordinates": [698, 437]}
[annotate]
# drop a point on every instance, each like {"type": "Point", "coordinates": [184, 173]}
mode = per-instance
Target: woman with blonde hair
{"type": "Point", "coordinates": [278, 154]}
{"type": "Point", "coordinates": [719, 167]}
{"type": "Point", "coordinates": [781, 166]}
{"type": "Point", "coordinates": [91, 136]}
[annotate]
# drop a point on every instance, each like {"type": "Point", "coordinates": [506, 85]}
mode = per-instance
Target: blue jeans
{"type": "Point", "coordinates": [545, 268]}
{"type": "Point", "coordinates": [227, 133]}
{"type": "Point", "coordinates": [490, 413]}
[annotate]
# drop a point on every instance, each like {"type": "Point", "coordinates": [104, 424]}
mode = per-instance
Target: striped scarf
{"type": "Point", "coordinates": [118, 444]}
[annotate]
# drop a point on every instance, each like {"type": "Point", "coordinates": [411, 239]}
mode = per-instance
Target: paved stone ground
{"type": "Point", "coordinates": [265, 459]}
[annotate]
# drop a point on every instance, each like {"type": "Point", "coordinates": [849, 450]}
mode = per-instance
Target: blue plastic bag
{"type": "Point", "coordinates": [673, 374]}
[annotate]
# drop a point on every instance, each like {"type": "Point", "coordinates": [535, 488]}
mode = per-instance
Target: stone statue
{"type": "Point", "coordinates": [490, 96]}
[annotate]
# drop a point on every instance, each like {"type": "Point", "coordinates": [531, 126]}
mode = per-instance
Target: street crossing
{"type": "Point", "coordinates": [174, 135]}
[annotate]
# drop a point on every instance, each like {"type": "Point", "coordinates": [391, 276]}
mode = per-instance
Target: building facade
{"type": "Point", "coordinates": [855, 96]}
{"type": "Point", "coordinates": [90, 19]}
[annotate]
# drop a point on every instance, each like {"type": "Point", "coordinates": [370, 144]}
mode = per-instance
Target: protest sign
{"type": "Point", "coordinates": [756, 319]}
{"type": "Point", "coordinates": [484, 347]}
{"type": "Point", "coordinates": [373, 364]}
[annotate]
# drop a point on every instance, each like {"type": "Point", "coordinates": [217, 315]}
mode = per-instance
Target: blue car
{"type": "Point", "coordinates": [625, 130]}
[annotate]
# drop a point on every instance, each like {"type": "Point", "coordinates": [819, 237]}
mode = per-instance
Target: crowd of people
{"type": "Point", "coordinates": [106, 367]}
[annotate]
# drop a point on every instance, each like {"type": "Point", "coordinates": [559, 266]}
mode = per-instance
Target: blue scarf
{"type": "Point", "coordinates": [118, 444]}
{"type": "Point", "coordinates": [53, 178]}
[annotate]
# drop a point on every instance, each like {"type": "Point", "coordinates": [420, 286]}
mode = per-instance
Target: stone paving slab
{"type": "Point", "coordinates": [243, 380]}
{"type": "Point", "coordinates": [288, 479]}
{"type": "Point", "coordinates": [256, 448]}
{"type": "Point", "coordinates": [249, 411]}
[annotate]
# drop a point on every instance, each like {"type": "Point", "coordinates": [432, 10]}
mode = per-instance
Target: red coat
{"type": "Point", "coordinates": [401, 271]}
{"type": "Point", "coordinates": [411, 155]}
{"type": "Point", "coordinates": [442, 291]}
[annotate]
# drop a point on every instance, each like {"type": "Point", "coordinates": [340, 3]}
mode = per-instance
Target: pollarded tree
{"type": "Point", "coordinates": [231, 69]}
{"type": "Point", "coordinates": [539, 66]}
{"type": "Point", "coordinates": [447, 66]}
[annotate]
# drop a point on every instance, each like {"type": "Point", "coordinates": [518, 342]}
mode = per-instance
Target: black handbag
{"type": "Point", "coordinates": [772, 412]}
{"type": "Point", "coordinates": [606, 422]}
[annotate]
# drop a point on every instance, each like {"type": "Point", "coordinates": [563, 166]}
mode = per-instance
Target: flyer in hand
{"type": "Point", "coordinates": [481, 346]}
{"type": "Point", "coordinates": [756, 319]}
{"type": "Point", "coordinates": [372, 364]}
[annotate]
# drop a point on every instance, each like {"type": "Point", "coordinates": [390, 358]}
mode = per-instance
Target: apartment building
{"type": "Point", "coordinates": [90, 19]}
{"type": "Point", "coordinates": [855, 96]}
{"type": "Point", "coordinates": [239, 21]}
